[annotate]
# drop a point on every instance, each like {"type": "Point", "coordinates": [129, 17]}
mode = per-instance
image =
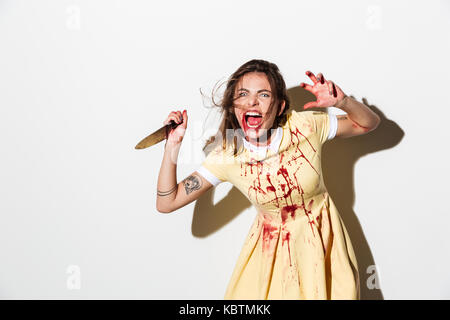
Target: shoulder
{"type": "Point", "coordinates": [305, 114]}
{"type": "Point", "coordinates": [216, 154]}
{"type": "Point", "coordinates": [305, 118]}
{"type": "Point", "coordinates": [217, 163]}
{"type": "Point", "coordinates": [320, 122]}
{"type": "Point", "coordinates": [308, 115]}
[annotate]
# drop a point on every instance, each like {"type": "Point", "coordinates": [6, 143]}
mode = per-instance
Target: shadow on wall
{"type": "Point", "coordinates": [338, 160]}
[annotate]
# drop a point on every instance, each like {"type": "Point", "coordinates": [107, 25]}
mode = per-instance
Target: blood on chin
{"type": "Point", "coordinates": [258, 134]}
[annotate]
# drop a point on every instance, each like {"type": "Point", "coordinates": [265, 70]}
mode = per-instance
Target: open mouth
{"type": "Point", "coordinates": [253, 119]}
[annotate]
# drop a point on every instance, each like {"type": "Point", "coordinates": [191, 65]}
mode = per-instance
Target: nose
{"type": "Point", "coordinates": [253, 100]}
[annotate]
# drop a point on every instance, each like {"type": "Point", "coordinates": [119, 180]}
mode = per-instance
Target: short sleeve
{"type": "Point", "coordinates": [333, 126]}
{"type": "Point", "coordinates": [208, 175]}
{"type": "Point", "coordinates": [325, 125]}
{"type": "Point", "coordinates": [214, 167]}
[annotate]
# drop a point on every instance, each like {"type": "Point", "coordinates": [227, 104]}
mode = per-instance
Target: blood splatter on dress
{"type": "Point", "coordinates": [297, 246]}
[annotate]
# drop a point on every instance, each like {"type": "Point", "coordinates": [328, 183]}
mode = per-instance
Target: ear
{"type": "Point", "coordinates": [282, 107]}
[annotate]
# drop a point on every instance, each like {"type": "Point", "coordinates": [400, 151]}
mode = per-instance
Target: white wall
{"type": "Point", "coordinates": [82, 81]}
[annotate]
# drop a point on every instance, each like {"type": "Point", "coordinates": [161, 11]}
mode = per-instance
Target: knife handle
{"type": "Point", "coordinates": [171, 125]}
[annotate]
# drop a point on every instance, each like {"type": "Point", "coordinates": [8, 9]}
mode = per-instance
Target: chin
{"type": "Point", "coordinates": [259, 134]}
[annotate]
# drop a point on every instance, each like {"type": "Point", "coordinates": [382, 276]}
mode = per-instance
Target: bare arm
{"type": "Point", "coordinates": [170, 194]}
{"type": "Point", "coordinates": [359, 120]}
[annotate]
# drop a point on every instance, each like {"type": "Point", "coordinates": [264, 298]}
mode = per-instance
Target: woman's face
{"type": "Point", "coordinates": [251, 106]}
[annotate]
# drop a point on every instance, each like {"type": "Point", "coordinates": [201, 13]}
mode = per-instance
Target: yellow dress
{"type": "Point", "coordinates": [297, 246]}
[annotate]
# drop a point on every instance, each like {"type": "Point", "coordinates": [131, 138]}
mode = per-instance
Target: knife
{"type": "Point", "coordinates": [157, 136]}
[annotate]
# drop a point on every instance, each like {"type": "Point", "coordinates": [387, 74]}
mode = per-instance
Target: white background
{"type": "Point", "coordinates": [81, 82]}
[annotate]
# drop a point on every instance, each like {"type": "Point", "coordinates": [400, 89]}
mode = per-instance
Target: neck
{"type": "Point", "coordinates": [263, 140]}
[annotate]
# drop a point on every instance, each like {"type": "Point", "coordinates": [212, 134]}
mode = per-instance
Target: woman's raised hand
{"type": "Point", "coordinates": [326, 91]}
{"type": "Point", "coordinates": [176, 135]}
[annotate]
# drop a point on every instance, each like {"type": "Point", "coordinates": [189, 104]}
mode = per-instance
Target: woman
{"type": "Point", "coordinates": [297, 247]}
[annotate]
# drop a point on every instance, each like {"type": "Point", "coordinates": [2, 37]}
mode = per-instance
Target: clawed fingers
{"type": "Point", "coordinates": [330, 87]}
{"type": "Point", "coordinates": [306, 86]}
{"type": "Point", "coordinates": [311, 76]}
{"type": "Point", "coordinates": [334, 91]}
{"type": "Point", "coordinates": [321, 78]}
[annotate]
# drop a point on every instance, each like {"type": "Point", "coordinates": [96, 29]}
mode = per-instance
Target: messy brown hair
{"type": "Point", "coordinates": [226, 104]}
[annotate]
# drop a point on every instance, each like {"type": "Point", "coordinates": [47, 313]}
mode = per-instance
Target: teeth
{"type": "Point", "coordinates": [251, 113]}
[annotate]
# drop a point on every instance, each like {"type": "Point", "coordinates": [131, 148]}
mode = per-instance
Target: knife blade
{"type": "Point", "coordinates": [157, 136]}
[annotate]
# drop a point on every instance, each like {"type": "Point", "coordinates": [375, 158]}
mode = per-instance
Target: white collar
{"type": "Point", "coordinates": [273, 145]}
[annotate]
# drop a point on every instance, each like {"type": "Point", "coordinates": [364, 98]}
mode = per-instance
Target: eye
{"type": "Point", "coordinates": [266, 95]}
{"type": "Point", "coordinates": [240, 94]}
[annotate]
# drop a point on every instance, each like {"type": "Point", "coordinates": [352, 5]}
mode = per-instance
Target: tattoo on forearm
{"type": "Point", "coordinates": [354, 124]}
{"type": "Point", "coordinates": [166, 193]}
{"type": "Point", "coordinates": [192, 183]}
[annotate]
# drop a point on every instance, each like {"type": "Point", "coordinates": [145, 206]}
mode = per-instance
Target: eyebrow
{"type": "Point", "coordinates": [243, 89]}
